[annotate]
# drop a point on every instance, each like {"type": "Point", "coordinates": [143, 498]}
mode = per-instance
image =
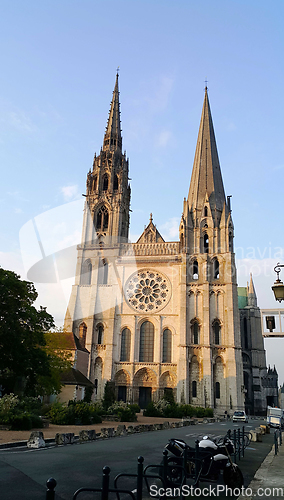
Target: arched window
{"type": "Point", "coordinates": [194, 388]}
{"type": "Point", "coordinates": [96, 386]}
{"type": "Point", "coordinates": [146, 351]}
{"type": "Point", "coordinates": [195, 270]}
{"type": "Point", "coordinates": [86, 276]}
{"type": "Point", "coordinates": [100, 334]}
{"type": "Point", "coordinates": [216, 332]}
{"type": "Point", "coordinates": [102, 219]}
{"type": "Point", "coordinates": [82, 334]}
{"type": "Point", "coordinates": [89, 273]}
{"type": "Point", "coordinates": [105, 182]}
{"type": "Point", "coordinates": [195, 333]}
{"type": "Point", "coordinates": [167, 346]}
{"type": "Point", "coordinates": [206, 243]}
{"type": "Point", "coordinates": [246, 333]}
{"type": "Point", "coordinates": [216, 269]}
{"type": "Point", "coordinates": [102, 272]}
{"type": "Point", "coordinates": [217, 390]}
{"type": "Point", "coordinates": [115, 183]}
{"type": "Point", "coordinates": [205, 211]}
{"type": "Point", "coordinates": [231, 248]}
{"type": "Point", "coordinates": [125, 345]}
{"type": "Point", "coordinates": [95, 183]}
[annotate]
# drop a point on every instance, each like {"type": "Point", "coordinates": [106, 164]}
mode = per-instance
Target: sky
{"type": "Point", "coordinates": [58, 64]}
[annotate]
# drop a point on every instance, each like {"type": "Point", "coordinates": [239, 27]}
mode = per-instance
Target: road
{"type": "Point", "coordinates": [23, 473]}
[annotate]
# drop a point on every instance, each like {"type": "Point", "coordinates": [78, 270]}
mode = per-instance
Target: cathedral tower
{"type": "Point", "coordinates": [159, 316]}
{"type": "Point", "coordinates": [212, 329]}
{"type": "Point", "coordinates": [108, 190]}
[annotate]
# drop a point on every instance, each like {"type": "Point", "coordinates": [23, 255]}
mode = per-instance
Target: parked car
{"type": "Point", "coordinates": [240, 416]}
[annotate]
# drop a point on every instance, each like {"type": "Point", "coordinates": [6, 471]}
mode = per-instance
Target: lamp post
{"type": "Point", "coordinates": [278, 287]}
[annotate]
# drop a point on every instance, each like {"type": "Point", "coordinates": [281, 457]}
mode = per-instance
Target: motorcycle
{"type": "Point", "coordinates": [204, 463]}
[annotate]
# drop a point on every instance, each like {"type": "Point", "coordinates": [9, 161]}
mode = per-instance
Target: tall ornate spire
{"type": "Point", "coordinates": [252, 299]}
{"type": "Point", "coordinates": [206, 176]}
{"type": "Point", "coordinates": [113, 138]}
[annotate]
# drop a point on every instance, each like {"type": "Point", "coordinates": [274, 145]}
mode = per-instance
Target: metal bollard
{"type": "Point", "coordinates": [139, 478]}
{"type": "Point", "coordinates": [235, 445]}
{"type": "Point", "coordinates": [239, 439]}
{"type": "Point", "coordinates": [105, 484]}
{"type": "Point", "coordinates": [275, 443]}
{"type": "Point", "coordinates": [196, 463]}
{"type": "Point", "coordinates": [50, 493]}
{"type": "Point", "coordinates": [165, 466]}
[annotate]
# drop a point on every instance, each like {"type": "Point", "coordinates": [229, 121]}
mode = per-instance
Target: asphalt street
{"type": "Point", "coordinates": [23, 472]}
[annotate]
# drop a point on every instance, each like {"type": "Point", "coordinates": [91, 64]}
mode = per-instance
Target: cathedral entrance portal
{"type": "Point", "coordinates": [145, 396]}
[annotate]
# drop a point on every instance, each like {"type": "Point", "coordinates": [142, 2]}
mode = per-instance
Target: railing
{"type": "Point", "coordinates": [195, 457]}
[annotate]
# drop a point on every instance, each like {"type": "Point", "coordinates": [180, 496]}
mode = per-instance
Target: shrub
{"type": "Point", "coordinates": [77, 412]}
{"type": "Point", "coordinates": [152, 411]}
{"type": "Point", "coordinates": [21, 422]}
{"type": "Point", "coordinates": [125, 411]}
{"type": "Point", "coordinates": [8, 405]}
{"type": "Point", "coordinates": [135, 407]}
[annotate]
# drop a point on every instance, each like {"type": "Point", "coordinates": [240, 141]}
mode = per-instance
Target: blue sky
{"type": "Point", "coordinates": [58, 63]}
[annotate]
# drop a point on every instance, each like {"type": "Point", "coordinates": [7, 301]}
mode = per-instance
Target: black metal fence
{"type": "Point", "coordinates": [162, 472]}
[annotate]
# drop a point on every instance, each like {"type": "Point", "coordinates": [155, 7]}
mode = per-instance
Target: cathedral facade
{"type": "Point", "coordinates": [158, 315]}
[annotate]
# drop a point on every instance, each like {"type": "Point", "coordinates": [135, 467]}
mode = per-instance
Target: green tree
{"type": "Point", "coordinates": [22, 335]}
{"type": "Point", "coordinates": [109, 395]}
{"type": "Point", "coordinates": [57, 348]}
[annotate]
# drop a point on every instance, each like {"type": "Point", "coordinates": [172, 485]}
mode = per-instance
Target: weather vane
{"type": "Point", "coordinates": [206, 81]}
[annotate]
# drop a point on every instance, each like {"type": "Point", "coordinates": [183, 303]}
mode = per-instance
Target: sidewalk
{"type": "Point", "coordinates": [14, 437]}
{"type": "Point", "coordinates": [270, 475]}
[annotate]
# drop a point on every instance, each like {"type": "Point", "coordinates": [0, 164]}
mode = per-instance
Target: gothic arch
{"type": "Point", "coordinates": [82, 333]}
{"type": "Point", "coordinates": [145, 377]}
{"type": "Point", "coordinates": [219, 386]}
{"type": "Point", "coordinates": [122, 377]}
{"type": "Point", "coordinates": [216, 331]}
{"type": "Point", "coordinates": [86, 275]}
{"type": "Point", "coordinates": [102, 217]}
{"type": "Point", "coordinates": [167, 339]}
{"type": "Point", "coordinates": [168, 379]}
{"type": "Point", "coordinates": [98, 378]}
{"type": "Point", "coordinates": [194, 381]}
{"type": "Point", "coordinates": [195, 331]}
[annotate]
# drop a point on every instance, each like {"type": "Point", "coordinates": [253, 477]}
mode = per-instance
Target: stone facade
{"type": "Point", "coordinates": [159, 315]}
{"type": "Point", "coordinates": [261, 385]}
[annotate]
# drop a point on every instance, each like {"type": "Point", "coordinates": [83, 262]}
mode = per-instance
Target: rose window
{"type": "Point", "coordinates": [147, 291]}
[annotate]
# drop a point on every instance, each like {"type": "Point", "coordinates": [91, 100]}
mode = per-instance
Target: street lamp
{"type": "Point", "coordinates": [278, 287]}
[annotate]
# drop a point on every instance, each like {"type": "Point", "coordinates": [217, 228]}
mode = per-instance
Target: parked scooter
{"type": "Point", "coordinates": [204, 464]}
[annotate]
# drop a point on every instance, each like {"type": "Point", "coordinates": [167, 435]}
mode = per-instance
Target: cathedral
{"type": "Point", "coordinates": [156, 315]}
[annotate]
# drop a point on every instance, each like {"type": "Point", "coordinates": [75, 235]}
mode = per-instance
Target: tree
{"type": "Point", "coordinates": [59, 356]}
{"type": "Point", "coordinates": [22, 335]}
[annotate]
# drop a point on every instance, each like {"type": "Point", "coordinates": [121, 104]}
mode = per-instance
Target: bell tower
{"type": "Point", "coordinates": [108, 190]}
{"type": "Point", "coordinates": [206, 242]}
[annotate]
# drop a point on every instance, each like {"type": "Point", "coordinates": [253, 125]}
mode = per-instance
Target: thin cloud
{"type": "Point", "coordinates": [163, 139]}
{"type": "Point", "coordinates": [170, 230]}
{"type": "Point", "coordinates": [70, 192]}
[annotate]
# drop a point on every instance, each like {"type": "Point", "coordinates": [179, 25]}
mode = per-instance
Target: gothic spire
{"type": "Point", "coordinates": [252, 299]}
{"type": "Point", "coordinates": [206, 176]}
{"type": "Point", "coordinates": [113, 139]}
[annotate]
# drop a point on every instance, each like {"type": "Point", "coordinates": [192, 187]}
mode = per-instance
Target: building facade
{"type": "Point", "coordinates": [261, 384]}
{"type": "Point", "coordinates": [158, 315]}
